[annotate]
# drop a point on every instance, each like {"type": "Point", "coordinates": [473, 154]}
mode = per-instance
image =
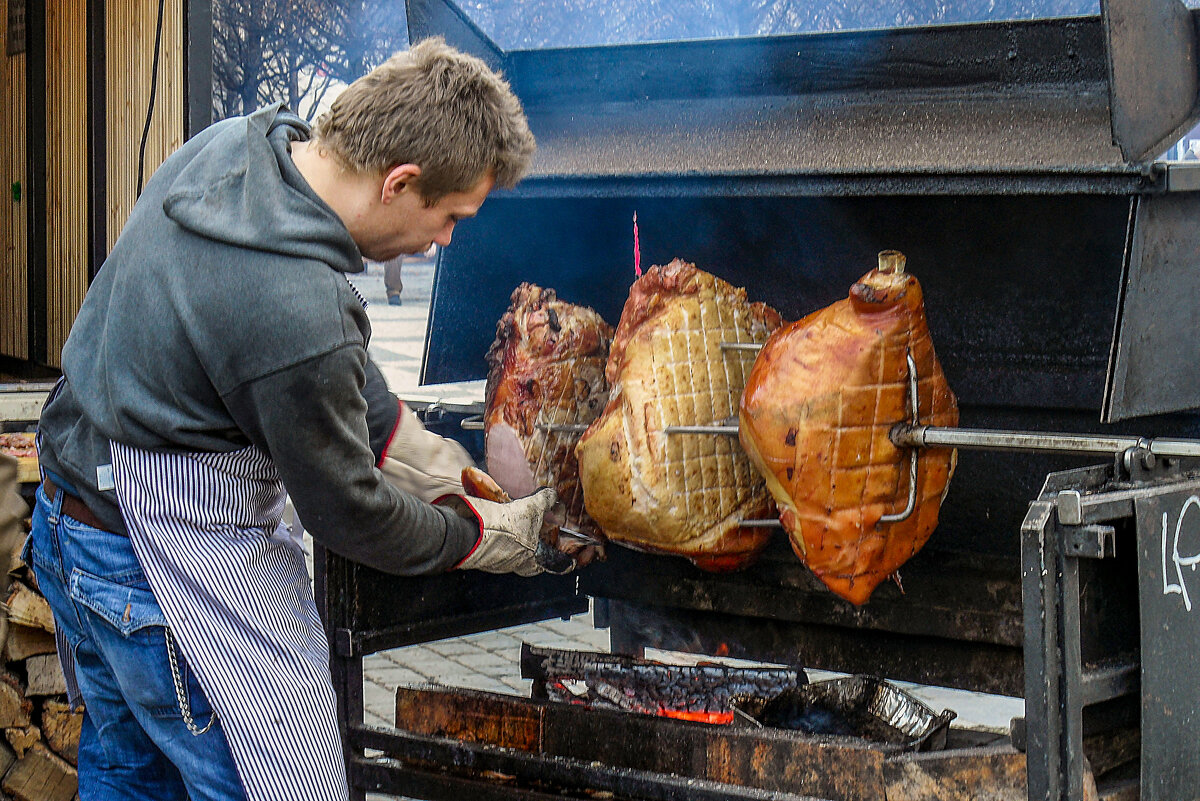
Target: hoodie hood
{"type": "Point", "coordinates": [277, 211]}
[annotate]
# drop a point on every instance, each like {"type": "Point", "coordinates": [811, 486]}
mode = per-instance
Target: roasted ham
{"type": "Point", "coordinates": [545, 382]}
{"type": "Point", "coordinates": [819, 404]}
{"type": "Point", "coordinates": [681, 494]}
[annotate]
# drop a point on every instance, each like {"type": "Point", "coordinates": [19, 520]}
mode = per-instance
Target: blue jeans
{"type": "Point", "coordinates": [135, 743]}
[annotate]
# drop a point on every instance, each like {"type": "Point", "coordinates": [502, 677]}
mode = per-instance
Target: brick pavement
{"type": "Point", "coordinates": [486, 661]}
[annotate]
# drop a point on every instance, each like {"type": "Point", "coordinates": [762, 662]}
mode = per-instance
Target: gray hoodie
{"type": "Point", "coordinates": [222, 319]}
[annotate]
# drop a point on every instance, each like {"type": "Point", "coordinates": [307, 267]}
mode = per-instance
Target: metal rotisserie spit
{"type": "Point", "coordinates": [1014, 165]}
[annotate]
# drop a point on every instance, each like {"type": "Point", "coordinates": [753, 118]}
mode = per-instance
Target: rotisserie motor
{"type": "Point", "coordinates": [682, 494]}
{"type": "Point", "coordinates": [545, 376]}
{"type": "Point", "coordinates": [819, 404]}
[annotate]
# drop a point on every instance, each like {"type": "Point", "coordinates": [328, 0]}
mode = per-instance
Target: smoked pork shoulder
{"type": "Point", "coordinates": [545, 383]}
{"type": "Point", "coordinates": [680, 494]}
{"type": "Point", "coordinates": [819, 404]}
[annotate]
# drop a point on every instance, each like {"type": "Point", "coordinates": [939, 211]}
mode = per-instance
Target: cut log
{"type": "Point", "coordinates": [25, 641]}
{"type": "Point", "coordinates": [7, 758]}
{"type": "Point", "coordinates": [15, 708]}
{"type": "Point", "coordinates": [41, 776]}
{"type": "Point", "coordinates": [28, 608]}
{"type": "Point", "coordinates": [45, 675]}
{"type": "Point", "coordinates": [23, 738]}
{"type": "Point", "coordinates": [61, 727]}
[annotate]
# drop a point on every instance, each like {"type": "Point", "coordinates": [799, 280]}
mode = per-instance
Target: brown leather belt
{"type": "Point", "coordinates": [72, 506]}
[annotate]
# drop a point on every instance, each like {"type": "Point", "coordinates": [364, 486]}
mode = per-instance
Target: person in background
{"type": "Point", "coordinates": [392, 282]}
{"type": "Point", "coordinates": [193, 394]}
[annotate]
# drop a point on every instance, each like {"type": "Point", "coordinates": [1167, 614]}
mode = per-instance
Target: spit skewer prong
{"type": "Point", "coordinates": [914, 410]}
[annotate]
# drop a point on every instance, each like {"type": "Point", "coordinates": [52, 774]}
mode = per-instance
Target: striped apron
{"type": "Point", "coordinates": [233, 586]}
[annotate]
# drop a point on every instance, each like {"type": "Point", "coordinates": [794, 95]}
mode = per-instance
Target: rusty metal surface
{"type": "Point", "coordinates": [475, 717]}
{"type": "Point", "coordinates": [764, 759]}
{"type": "Point", "coordinates": [982, 774]}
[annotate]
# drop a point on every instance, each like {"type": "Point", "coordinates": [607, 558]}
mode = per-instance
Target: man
{"type": "Point", "coordinates": [219, 356]}
{"type": "Point", "coordinates": [393, 281]}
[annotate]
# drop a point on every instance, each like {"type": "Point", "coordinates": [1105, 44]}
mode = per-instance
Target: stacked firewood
{"type": "Point", "coordinates": [40, 746]}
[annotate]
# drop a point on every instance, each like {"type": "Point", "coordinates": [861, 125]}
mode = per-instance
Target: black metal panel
{"type": "Point", "coordinates": [1017, 55]}
{"type": "Point", "coordinates": [1169, 549]}
{"type": "Point", "coordinates": [35, 176]}
{"type": "Point", "coordinates": [443, 18]}
{"type": "Point", "coordinates": [198, 58]}
{"type": "Point", "coordinates": [97, 134]}
{"type": "Point", "coordinates": [1152, 63]}
{"type": "Point", "coordinates": [1020, 292]}
{"type": "Point", "coordinates": [999, 99]}
{"type": "Point", "coordinates": [1157, 344]}
{"type": "Point", "coordinates": [379, 611]}
{"type": "Point", "coordinates": [981, 667]}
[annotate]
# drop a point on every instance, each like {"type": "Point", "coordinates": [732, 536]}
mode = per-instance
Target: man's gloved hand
{"type": "Point", "coordinates": [509, 539]}
{"type": "Point", "coordinates": [420, 462]}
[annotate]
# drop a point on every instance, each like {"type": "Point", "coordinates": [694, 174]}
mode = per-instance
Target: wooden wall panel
{"type": "Point", "coordinates": [129, 35]}
{"type": "Point", "coordinates": [14, 233]}
{"type": "Point", "coordinates": [67, 166]}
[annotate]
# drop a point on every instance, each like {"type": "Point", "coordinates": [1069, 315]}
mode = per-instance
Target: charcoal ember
{"type": "Point", "coordinates": [612, 681]}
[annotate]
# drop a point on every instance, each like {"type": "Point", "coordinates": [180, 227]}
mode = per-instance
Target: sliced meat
{"type": "Point", "coordinates": [545, 372]}
{"type": "Point", "coordinates": [819, 404]}
{"type": "Point", "coordinates": [681, 494]}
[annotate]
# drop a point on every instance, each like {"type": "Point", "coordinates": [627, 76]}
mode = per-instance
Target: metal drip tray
{"type": "Point", "coordinates": [862, 707]}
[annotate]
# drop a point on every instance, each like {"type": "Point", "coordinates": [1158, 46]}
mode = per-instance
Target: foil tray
{"type": "Point", "coordinates": [857, 707]}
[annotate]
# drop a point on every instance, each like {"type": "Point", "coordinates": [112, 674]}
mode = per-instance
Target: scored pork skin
{"type": "Point", "coordinates": [819, 404]}
{"type": "Point", "coordinates": [681, 494]}
{"type": "Point", "coordinates": [546, 366]}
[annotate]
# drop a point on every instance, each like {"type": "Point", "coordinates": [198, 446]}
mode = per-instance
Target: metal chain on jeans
{"type": "Point", "coordinates": [185, 706]}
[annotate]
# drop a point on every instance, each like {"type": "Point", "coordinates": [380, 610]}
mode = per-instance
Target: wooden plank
{"type": "Point", "coordinates": [22, 738]}
{"type": "Point", "coordinates": [14, 256]}
{"type": "Point", "coordinates": [799, 765]}
{"type": "Point", "coordinates": [28, 608]}
{"type": "Point", "coordinates": [67, 207]}
{"type": "Point", "coordinates": [129, 36]}
{"type": "Point", "coordinates": [19, 405]}
{"type": "Point", "coordinates": [45, 675]}
{"type": "Point", "coordinates": [768, 759]}
{"type": "Point", "coordinates": [991, 773]}
{"type": "Point", "coordinates": [15, 707]}
{"type": "Point", "coordinates": [26, 641]}
{"type": "Point", "coordinates": [472, 717]}
{"type": "Point", "coordinates": [41, 776]}
{"type": "Point", "coordinates": [62, 727]}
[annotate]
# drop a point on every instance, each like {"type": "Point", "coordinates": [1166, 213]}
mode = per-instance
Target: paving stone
{"type": "Point", "coordinates": [485, 662]}
{"type": "Point", "coordinates": [495, 641]}
{"type": "Point", "coordinates": [379, 700]}
{"type": "Point", "coordinates": [395, 676]}
{"type": "Point", "coordinates": [455, 647]}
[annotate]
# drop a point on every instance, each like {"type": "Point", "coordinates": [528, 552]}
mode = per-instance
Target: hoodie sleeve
{"type": "Point", "coordinates": [383, 411]}
{"type": "Point", "coordinates": [312, 419]}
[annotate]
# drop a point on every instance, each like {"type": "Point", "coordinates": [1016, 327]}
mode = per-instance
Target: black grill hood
{"type": "Point", "coordinates": [1011, 161]}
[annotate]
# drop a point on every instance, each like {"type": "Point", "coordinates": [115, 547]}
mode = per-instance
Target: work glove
{"type": "Point", "coordinates": [508, 531]}
{"type": "Point", "coordinates": [420, 462]}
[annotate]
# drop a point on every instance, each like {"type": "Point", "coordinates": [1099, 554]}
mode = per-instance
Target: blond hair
{"type": "Point", "coordinates": [433, 106]}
